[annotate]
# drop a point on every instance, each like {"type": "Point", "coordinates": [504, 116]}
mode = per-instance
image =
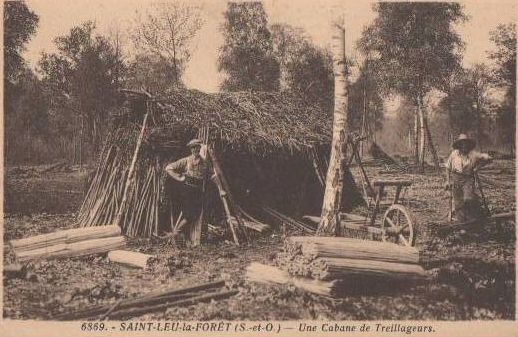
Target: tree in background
{"type": "Point", "coordinates": [24, 107]}
{"type": "Point", "coordinates": [466, 102]}
{"type": "Point", "coordinates": [480, 82]}
{"type": "Point", "coordinates": [458, 105]}
{"type": "Point", "coordinates": [117, 38]}
{"type": "Point", "coordinates": [504, 37]}
{"type": "Point", "coordinates": [20, 24]}
{"type": "Point", "coordinates": [288, 43]}
{"type": "Point", "coordinates": [165, 33]}
{"type": "Point", "coordinates": [405, 121]}
{"type": "Point", "coordinates": [305, 69]}
{"type": "Point", "coordinates": [26, 120]}
{"type": "Point", "coordinates": [247, 57]}
{"type": "Point", "coordinates": [81, 79]}
{"type": "Point", "coordinates": [149, 72]}
{"type": "Point", "coordinates": [416, 49]}
{"type": "Point", "coordinates": [366, 103]}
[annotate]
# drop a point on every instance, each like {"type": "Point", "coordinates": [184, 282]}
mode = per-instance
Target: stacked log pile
{"type": "Point", "coordinates": [331, 266]}
{"type": "Point", "coordinates": [69, 243]}
{"type": "Point", "coordinates": [330, 259]}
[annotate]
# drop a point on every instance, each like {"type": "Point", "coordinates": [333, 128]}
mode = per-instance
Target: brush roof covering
{"type": "Point", "coordinates": [261, 122]}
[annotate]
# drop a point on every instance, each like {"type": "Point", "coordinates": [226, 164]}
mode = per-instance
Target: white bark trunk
{"type": "Point", "coordinates": [431, 147]}
{"type": "Point", "coordinates": [422, 134]}
{"type": "Point", "coordinates": [335, 172]}
{"type": "Point", "coordinates": [425, 137]}
{"type": "Point", "coordinates": [416, 138]}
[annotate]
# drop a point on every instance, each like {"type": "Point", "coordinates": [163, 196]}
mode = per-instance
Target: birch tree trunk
{"type": "Point", "coordinates": [425, 137]}
{"type": "Point", "coordinates": [431, 147]}
{"type": "Point", "coordinates": [335, 173]}
{"type": "Point", "coordinates": [479, 121]}
{"type": "Point", "coordinates": [416, 138]}
{"type": "Point", "coordinates": [422, 134]}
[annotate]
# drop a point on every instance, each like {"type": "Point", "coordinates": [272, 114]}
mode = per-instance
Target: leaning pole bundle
{"type": "Point", "coordinates": [126, 188]}
{"type": "Point", "coordinates": [335, 172]}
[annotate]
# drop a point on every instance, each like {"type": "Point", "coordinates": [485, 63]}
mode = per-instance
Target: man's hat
{"type": "Point", "coordinates": [194, 142]}
{"type": "Point", "coordinates": [463, 139]}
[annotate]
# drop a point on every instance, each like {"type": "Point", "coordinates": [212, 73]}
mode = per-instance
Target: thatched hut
{"type": "Point", "coordinates": [272, 147]}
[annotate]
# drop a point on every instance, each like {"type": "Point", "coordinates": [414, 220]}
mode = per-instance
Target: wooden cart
{"type": "Point", "coordinates": [398, 225]}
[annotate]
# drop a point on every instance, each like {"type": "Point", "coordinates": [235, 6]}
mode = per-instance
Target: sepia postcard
{"type": "Point", "coordinates": [258, 168]}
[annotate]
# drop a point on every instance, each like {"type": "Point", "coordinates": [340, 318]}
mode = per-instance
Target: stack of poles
{"type": "Point", "coordinates": [104, 199]}
{"type": "Point", "coordinates": [69, 243]}
{"type": "Point", "coordinates": [335, 258]}
{"type": "Point", "coordinates": [140, 215]}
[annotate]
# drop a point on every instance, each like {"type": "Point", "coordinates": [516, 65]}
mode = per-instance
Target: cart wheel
{"type": "Point", "coordinates": [398, 226]}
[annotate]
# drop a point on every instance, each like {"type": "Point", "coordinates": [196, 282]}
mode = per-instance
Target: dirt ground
{"type": "Point", "coordinates": [472, 273]}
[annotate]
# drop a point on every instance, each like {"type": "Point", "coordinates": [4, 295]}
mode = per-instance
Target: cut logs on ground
{"type": "Point", "coordinates": [131, 259]}
{"type": "Point", "coordinates": [69, 243]}
{"type": "Point", "coordinates": [338, 258]}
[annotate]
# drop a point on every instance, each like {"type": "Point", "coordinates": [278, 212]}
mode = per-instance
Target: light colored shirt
{"type": "Point", "coordinates": [191, 166]}
{"type": "Point", "coordinates": [465, 164]}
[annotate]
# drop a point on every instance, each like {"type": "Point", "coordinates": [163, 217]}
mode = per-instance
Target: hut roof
{"type": "Point", "coordinates": [255, 121]}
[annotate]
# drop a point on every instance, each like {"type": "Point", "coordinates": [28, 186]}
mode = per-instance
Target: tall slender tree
{"type": "Point", "coordinates": [366, 103]}
{"type": "Point", "coordinates": [416, 49]}
{"type": "Point", "coordinates": [247, 57]}
{"type": "Point", "coordinates": [329, 223]}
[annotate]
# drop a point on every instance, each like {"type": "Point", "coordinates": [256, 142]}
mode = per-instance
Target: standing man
{"type": "Point", "coordinates": [461, 168]}
{"type": "Point", "coordinates": [191, 174]}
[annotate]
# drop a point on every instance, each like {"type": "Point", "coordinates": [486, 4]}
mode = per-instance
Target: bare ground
{"type": "Point", "coordinates": [473, 273]}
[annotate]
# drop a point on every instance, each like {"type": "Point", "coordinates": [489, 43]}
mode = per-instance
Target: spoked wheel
{"type": "Point", "coordinates": [398, 226]}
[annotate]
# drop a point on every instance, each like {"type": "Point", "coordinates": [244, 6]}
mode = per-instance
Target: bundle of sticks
{"type": "Point", "coordinates": [152, 302]}
{"type": "Point", "coordinates": [339, 258]}
{"type": "Point", "coordinates": [69, 243]}
{"type": "Point", "coordinates": [140, 216]}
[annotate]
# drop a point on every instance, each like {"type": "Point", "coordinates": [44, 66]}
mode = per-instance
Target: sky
{"type": "Point", "coordinates": [57, 17]}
